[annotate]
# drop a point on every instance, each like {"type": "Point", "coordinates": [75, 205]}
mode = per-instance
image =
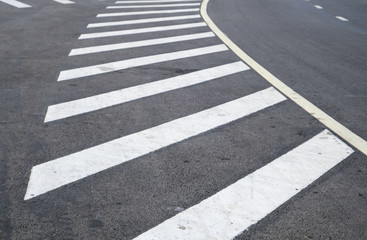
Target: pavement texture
{"type": "Point", "coordinates": [319, 56]}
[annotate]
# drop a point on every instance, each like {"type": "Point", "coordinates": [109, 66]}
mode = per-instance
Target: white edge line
{"type": "Point", "coordinates": [306, 105]}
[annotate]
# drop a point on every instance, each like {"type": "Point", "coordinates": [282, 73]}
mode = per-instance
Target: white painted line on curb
{"type": "Point", "coordinates": [146, 20]}
{"type": "Point", "coordinates": [97, 102]}
{"type": "Point", "coordinates": [64, 1]}
{"type": "Point", "coordinates": [16, 4]}
{"type": "Point", "coordinates": [156, 1]}
{"type": "Point", "coordinates": [65, 170]}
{"type": "Point", "coordinates": [135, 62]}
{"type": "Point", "coordinates": [342, 19]}
{"type": "Point", "coordinates": [155, 6]}
{"type": "Point", "coordinates": [149, 42]}
{"type": "Point", "coordinates": [309, 107]}
{"type": "Point", "coordinates": [234, 209]}
{"type": "Point", "coordinates": [317, 6]}
{"type": "Point", "coordinates": [142, 30]}
{"type": "Point", "coordinates": [147, 12]}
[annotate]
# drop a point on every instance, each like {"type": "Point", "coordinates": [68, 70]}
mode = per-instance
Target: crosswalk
{"type": "Point", "coordinates": [19, 4]}
{"type": "Point", "coordinates": [233, 209]}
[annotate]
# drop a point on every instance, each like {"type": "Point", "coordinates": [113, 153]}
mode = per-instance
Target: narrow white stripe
{"type": "Point", "coordinates": [317, 6]}
{"type": "Point", "coordinates": [135, 62]}
{"type": "Point", "coordinates": [342, 19]}
{"type": "Point", "coordinates": [16, 4]}
{"type": "Point", "coordinates": [141, 30]}
{"type": "Point", "coordinates": [59, 172]}
{"type": "Point", "coordinates": [231, 211]}
{"type": "Point", "coordinates": [64, 1]}
{"type": "Point", "coordinates": [93, 103]}
{"type": "Point", "coordinates": [155, 6]}
{"type": "Point", "coordinates": [156, 1]}
{"type": "Point", "coordinates": [150, 42]}
{"type": "Point", "coordinates": [147, 12]}
{"type": "Point", "coordinates": [146, 20]}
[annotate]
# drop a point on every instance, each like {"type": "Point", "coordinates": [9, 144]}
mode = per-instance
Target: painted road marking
{"type": "Point", "coordinates": [155, 6]}
{"type": "Point", "coordinates": [141, 30]}
{"type": "Point", "coordinates": [59, 172]}
{"type": "Point", "coordinates": [149, 42]}
{"type": "Point", "coordinates": [93, 103]}
{"type": "Point", "coordinates": [16, 4]}
{"type": "Point", "coordinates": [146, 20]}
{"type": "Point", "coordinates": [64, 1]}
{"type": "Point", "coordinates": [309, 107]}
{"type": "Point", "coordinates": [156, 1]}
{"type": "Point", "coordinates": [317, 6]}
{"type": "Point", "coordinates": [231, 211]}
{"type": "Point", "coordinates": [342, 19]}
{"type": "Point", "coordinates": [135, 62]}
{"type": "Point", "coordinates": [147, 12]}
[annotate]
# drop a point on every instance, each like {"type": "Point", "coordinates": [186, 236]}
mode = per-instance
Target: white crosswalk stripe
{"type": "Point", "coordinates": [147, 12]}
{"type": "Point", "coordinates": [140, 21]}
{"type": "Point", "coordinates": [16, 4]}
{"type": "Point", "coordinates": [154, 6]}
{"type": "Point", "coordinates": [64, 1]}
{"type": "Point", "coordinates": [68, 109]}
{"type": "Point", "coordinates": [149, 42]}
{"type": "Point", "coordinates": [242, 204]}
{"type": "Point", "coordinates": [141, 30]}
{"type": "Point", "coordinates": [19, 4]}
{"type": "Point", "coordinates": [135, 62]}
{"type": "Point", "coordinates": [54, 174]}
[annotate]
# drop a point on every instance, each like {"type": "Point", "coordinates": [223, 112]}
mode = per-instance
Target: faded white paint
{"type": "Point", "coordinates": [93, 103]}
{"type": "Point", "coordinates": [135, 62]}
{"type": "Point", "coordinates": [59, 172]}
{"type": "Point", "coordinates": [231, 211]}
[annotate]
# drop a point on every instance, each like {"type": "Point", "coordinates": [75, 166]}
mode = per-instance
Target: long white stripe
{"type": "Point", "coordinates": [135, 62]}
{"type": "Point", "coordinates": [64, 1]}
{"type": "Point", "coordinates": [155, 6]}
{"type": "Point", "coordinates": [141, 30]}
{"type": "Point", "coordinates": [147, 12]}
{"type": "Point", "coordinates": [156, 1]}
{"type": "Point", "coordinates": [93, 103]}
{"type": "Point", "coordinates": [16, 4]}
{"type": "Point", "coordinates": [59, 172]}
{"type": "Point", "coordinates": [146, 20]}
{"type": "Point", "coordinates": [229, 212]}
{"type": "Point", "coordinates": [150, 42]}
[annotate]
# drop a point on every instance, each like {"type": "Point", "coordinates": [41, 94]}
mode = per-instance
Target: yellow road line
{"type": "Point", "coordinates": [352, 138]}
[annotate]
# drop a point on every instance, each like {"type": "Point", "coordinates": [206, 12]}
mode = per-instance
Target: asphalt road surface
{"type": "Point", "coordinates": [133, 120]}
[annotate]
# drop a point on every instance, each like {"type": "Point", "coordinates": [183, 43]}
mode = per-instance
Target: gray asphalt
{"type": "Point", "coordinates": [320, 57]}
